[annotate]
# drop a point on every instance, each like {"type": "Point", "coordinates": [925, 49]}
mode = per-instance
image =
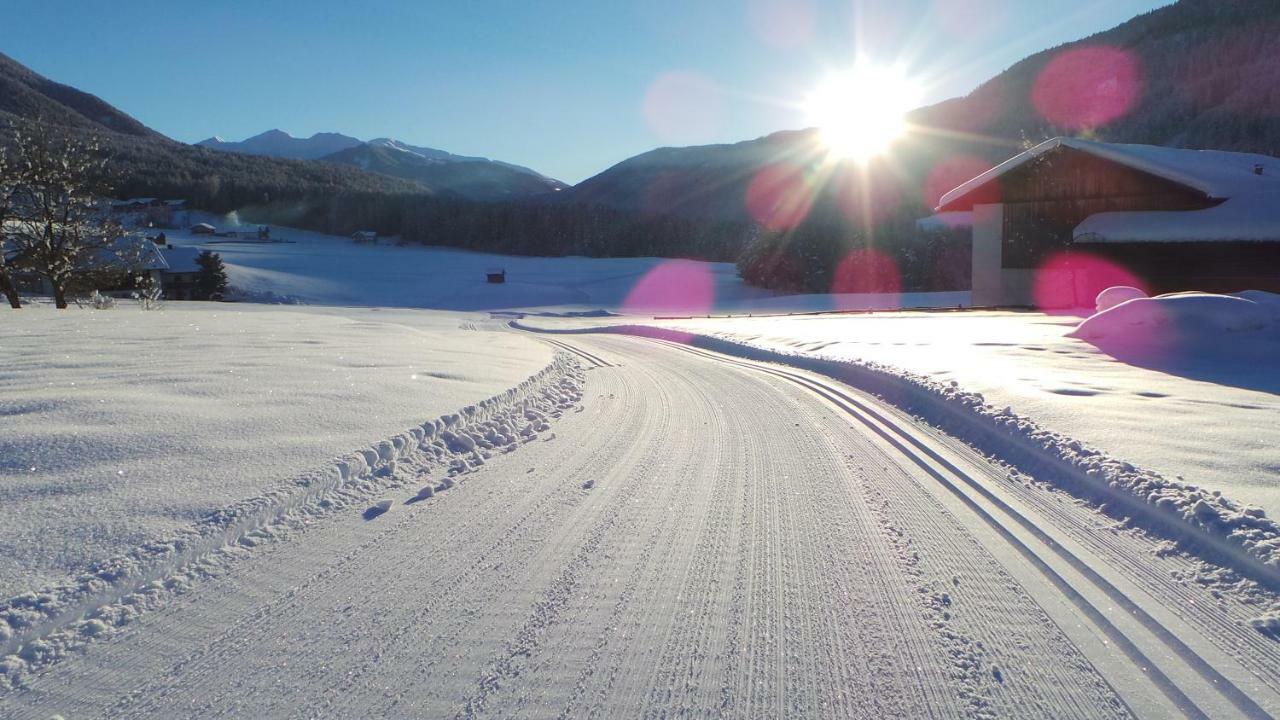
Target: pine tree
{"type": "Point", "coordinates": [211, 283]}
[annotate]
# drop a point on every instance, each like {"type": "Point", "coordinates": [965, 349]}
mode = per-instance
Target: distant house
{"type": "Point", "coordinates": [151, 212]}
{"type": "Point", "coordinates": [363, 237]}
{"type": "Point", "coordinates": [179, 277]}
{"type": "Point", "coordinates": [203, 229]}
{"type": "Point", "coordinates": [119, 268]}
{"type": "Point", "coordinates": [1175, 219]}
{"type": "Point", "coordinates": [496, 276]}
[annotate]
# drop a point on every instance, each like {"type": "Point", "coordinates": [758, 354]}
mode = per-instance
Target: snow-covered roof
{"type": "Point", "coordinates": [203, 225]}
{"type": "Point", "coordinates": [133, 201]}
{"type": "Point", "coordinates": [1254, 217]}
{"type": "Point", "coordinates": [133, 252]}
{"type": "Point", "coordinates": [181, 259]}
{"type": "Point", "coordinates": [1216, 173]}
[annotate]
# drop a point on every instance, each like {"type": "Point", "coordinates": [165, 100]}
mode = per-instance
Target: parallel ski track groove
{"type": "Point", "coordinates": [901, 440]}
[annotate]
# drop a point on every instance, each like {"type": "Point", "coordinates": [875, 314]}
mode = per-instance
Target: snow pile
{"type": "Point", "coordinates": [1239, 536]}
{"type": "Point", "coordinates": [1117, 294]}
{"type": "Point", "coordinates": [39, 628]}
{"type": "Point", "coordinates": [1181, 318]}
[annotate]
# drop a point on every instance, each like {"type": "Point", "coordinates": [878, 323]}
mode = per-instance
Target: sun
{"type": "Point", "coordinates": [861, 112]}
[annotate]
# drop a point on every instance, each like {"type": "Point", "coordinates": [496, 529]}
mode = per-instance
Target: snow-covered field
{"type": "Point", "coordinates": [314, 268]}
{"type": "Point", "coordinates": [1213, 420]}
{"type": "Point", "coordinates": [117, 426]}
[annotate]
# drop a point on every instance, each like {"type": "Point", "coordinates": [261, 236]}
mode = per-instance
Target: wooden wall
{"type": "Point", "coordinates": [1048, 197]}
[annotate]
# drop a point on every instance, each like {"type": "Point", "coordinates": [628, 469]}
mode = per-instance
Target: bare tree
{"type": "Point", "coordinates": [8, 188]}
{"type": "Point", "coordinates": [61, 230]}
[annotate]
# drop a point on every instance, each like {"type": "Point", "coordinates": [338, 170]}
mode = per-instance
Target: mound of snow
{"type": "Point", "coordinates": [1179, 318]}
{"type": "Point", "coordinates": [1117, 294]}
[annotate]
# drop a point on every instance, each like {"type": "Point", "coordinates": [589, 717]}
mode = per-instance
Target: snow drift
{"type": "Point", "coordinates": [1191, 318]}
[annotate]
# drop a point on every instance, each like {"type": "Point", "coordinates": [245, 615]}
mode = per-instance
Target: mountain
{"type": "Point", "coordinates": [1198, 73]}
{"type": "Point", "coordinates": [146, 163]}
{"type": "Point", "coordinates": [442, 172]}
{"type": "Point", "coordinates": [278, 143]}
{"type": "Point", "coordinates": [25, 94]}
{"type": "Point", "coordinates": [437, 171]}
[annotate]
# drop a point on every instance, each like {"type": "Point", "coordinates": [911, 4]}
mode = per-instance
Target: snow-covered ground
{"type": "Point", "coordinates": [319, 269]}
{"type": "Point", "coordinates": [1211, 418]}
{"type": "Point", "coordinates": [117, 426]}
{"type": "Point", "coordinates": [698, 537]}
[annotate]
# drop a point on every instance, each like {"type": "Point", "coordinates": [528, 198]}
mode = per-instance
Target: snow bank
{"type": "Point", "coordinates": [1238, 536]}
{"type": "Point", "coordinates": [40, 628]}
{"type": "Point", "coordinates": [1182, 318]}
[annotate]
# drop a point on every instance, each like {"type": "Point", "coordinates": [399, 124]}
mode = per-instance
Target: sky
{"type": "Point", "coordinates": [568, 88]}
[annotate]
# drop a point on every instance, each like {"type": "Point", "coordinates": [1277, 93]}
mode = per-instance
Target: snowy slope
{"type": "Point", "coordinates": [121, 425]}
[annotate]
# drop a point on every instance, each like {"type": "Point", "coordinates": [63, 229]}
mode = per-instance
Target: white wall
{"type": "Point", "coordinates": [988, 229]}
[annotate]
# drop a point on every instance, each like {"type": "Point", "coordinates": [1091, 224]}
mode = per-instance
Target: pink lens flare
{"type": "Point", "coordinates": [683, 107]}
{"type": "Point", "coordinates": [1087, 87]}
{"type": "Point", "coordinates": [866, 271]}
{"type": "Point", "coordinates": [780, 196]}
{"type": "Point", "coordinates": [1071, 280]}
{"type": "Point", "coordinates": [782, 23]}
{"type": "Point", "coordinates": [677, 287]}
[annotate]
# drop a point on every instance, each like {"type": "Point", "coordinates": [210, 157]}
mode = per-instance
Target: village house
{"type": "Point", "coordinates": [181, 273]}
{"type": "Point", "coordinates": [118, 269]}
{"type": "Point", "coordinates": [1174, 219]}
{"type": "Point", "coordinates": [363, 237]}
{"type": "Point", "coordinates": [151, 212]}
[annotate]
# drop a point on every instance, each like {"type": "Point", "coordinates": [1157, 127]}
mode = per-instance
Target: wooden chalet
{"type": "Point", "coordinates": [1176, 219]}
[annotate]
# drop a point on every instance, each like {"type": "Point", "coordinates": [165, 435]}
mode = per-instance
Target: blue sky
{"type": "Point", "coordinates": [568, 88]}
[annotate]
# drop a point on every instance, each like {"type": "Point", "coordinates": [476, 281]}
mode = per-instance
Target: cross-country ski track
{"type": "Point", "coordinates": [707, 537]}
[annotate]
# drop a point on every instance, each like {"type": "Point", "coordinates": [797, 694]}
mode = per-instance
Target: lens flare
{"type": "Point", "coordinates": [675, 286]}
{"type": "Point", "coordinates": [1072, 280]}
{"type": "Point", "coordinates": [780, 196]}
{"type": "Point", "coordinates": [1087, 87]}
{"type": "Point", "coordinates": [866, 271]}
{"type": "Point", "coordinates": [862, 112]}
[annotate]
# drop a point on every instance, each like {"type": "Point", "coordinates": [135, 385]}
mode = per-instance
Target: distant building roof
{"type": "Point", "coordinates": [181, 259]}
{"type": "Point", "coordinates": [1216, 173]}
{"type": "Point", "coordinates": [205, 226]}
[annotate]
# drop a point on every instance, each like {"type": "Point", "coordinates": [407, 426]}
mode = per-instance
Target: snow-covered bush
{"type": "Point", "coordinates": [1117, 294]}
{"type": "Point", "coordinates": [101, 302]}
{"type": "Point", "coordinates": [148, 298]}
